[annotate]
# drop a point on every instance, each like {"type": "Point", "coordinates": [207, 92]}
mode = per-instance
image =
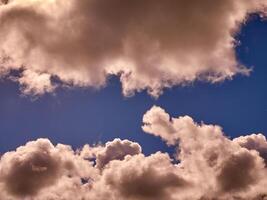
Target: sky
{"type": "Point", "coordinates": [132, 97]}
{"type": "Point", "coordinates": [79, 115]}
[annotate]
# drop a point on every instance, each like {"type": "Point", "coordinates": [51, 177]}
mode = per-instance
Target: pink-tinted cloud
{"type": "Point", "coordinates": [254, 142]}
{"type": "Point", "coordinates": [116, 150]}
{"type": "Point", "coordinates": [149, 44]}
{"type": "Point", "coordinates": [207, 156]}
{"type": "Point", "coordinates": [207, 166]}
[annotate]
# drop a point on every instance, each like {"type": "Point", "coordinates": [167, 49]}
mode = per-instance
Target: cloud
{"type": "Point", "coordinates": [34, 83]}
{"type": "Point", "coordinates": [150, 45]}
{"type": "Point", "coordinates": [116, 150]}
{"type": "Point", "coordinates": [139, 177]}
{"type": "Point", "coordinates": [237, 172]}
{"type": "Point", "coordinates": [207, 166]}
{"type": "Point", "coordinates": [206, 155]}
{"type": "Point", "coordinates": [254, 142]}
{"type": "Point", "coordinates": [30, 168]}
{"type": "Point", "coordinates": [39, 165]}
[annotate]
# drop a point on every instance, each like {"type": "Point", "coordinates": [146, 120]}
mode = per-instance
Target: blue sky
{"type": "Point", "coordinates": [136, 100]}
{"type": "Point", "coordinates": [78, 116]}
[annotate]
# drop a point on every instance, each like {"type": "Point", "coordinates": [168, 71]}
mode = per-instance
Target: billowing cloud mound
{"type": "Point", "coordinates": [116, 150]}
{"type": "Point", "coordinates": [39, 165]}
{"type": "Point", "coordinates": [207, 166]}
{"type": "Point", "coordinates": [254, 142]}
{"type": "Point", "coordinates": [149, 44]}
{"type": "Point", "coordinates": [30, 168]}
{"type": "Point", "coordinates": [226, 168]}
{"type": "Point", "coordinates": [140, 177]}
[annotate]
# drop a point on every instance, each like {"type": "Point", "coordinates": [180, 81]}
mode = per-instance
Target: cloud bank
{"type": "Point", "coordinates": [149, 44]}
{"type": "Point", "coordinates": [207, 166]}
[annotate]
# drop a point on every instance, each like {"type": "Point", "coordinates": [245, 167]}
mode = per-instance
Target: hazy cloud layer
{"type": "Point", "coordinates": [207, 166]}
{"type": "Point", "coordinates": [149, 44]}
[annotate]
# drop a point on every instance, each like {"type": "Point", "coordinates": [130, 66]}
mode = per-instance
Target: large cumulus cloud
{"type": "Point", "coordinates": [149, 44]}
{"type": "Point", "coordinates": [30, 168]}
{"type": "Point", "coordinates": [38, 166]}
{"type": "Point", "coordinates": [139, 177]}
{"type": "Point", "coordinates": [207, 166]}
{"type": "Point", "coordinates": [228, 168]}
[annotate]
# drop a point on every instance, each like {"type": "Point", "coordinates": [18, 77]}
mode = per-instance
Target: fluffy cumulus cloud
{"type": "Point", "coordinates": [116, 150]}
{"type": "Point", "coordinates": [254, 142]}
{"type": "Point", "coordinates": [207, 166]}
{"type": "Point", "coordinates": [39, 165]}
{"type": "Point", "coordinates": [230, 169]}
{"type": "Point", "coordinates": [148, 44]}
